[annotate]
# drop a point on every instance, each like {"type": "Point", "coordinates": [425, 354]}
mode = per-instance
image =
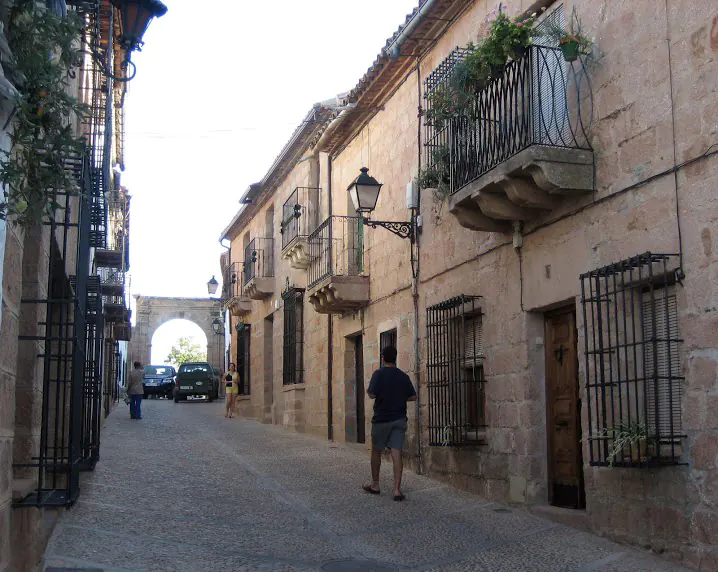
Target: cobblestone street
{"type": "Point", "coordinates": [187, 489]}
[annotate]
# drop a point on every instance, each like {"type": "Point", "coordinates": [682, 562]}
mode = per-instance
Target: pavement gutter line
{"type": "Point", "coordinates": [598, 564]}
{"type": "Point", "coordinates": [82, 563]}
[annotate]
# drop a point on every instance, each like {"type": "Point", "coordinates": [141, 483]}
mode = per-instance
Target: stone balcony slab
{"type": "Point", "coordinates": [524, 187]}
{"type": "Point", "coordinates": [339, 294]}
{"type": "Point", "coordinates": [259, 288]}
{"type": "Point", "coordinates": [239, 305]}
{"type": "Point", "coordinates": [297, 253]}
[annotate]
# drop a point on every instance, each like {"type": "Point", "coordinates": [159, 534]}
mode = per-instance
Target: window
{"type": "Point", "coordinates": [632, 361]}
{"type": "Point", "coordinates": [194, 368]}
{"type": "Point", "coordinates": [293, 364]}
{"type": "Point", "coordinates": [387, 339]}
{"type": "Point", "coordinates": [456, 372]}
{"type": "Point", "coordinates": [243, 337]}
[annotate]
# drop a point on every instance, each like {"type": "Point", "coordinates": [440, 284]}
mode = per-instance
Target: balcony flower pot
{"type": "Point", "coordinates": [518, 51]}
{"type": "Point", "coordinates": [570, 49]}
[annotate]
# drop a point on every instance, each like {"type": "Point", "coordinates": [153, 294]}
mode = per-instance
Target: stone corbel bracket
{"type": "Point", "coordinates": [297, 253]}
{"type": "Point", "coordinates": [524, 187]}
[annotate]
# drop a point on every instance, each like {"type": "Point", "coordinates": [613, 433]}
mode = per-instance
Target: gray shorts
{"type": "Point", "coordinates": [389, 434]}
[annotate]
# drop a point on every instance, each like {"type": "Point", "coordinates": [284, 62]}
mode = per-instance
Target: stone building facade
{"type": "Point", "coordinates": [564, 296]}
{"type": "Point", "coordinates": [65, 314]}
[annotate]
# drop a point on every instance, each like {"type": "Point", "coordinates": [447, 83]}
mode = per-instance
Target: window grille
{"type": "Point", "coordinates": [633, 369]}
{"type": "Point", "coordinates": [293, 365]}
{"type": "Point", "coordinates": [92, 393]}
{"type": "Point", "coordinates": [243, 357]}
{"type": "Point", "coordinates": [455, 372]}
{"type": "Point", "coordinates": [387, 339]}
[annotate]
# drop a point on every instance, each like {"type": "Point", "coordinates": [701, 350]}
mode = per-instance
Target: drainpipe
{"type": "Point", "coordinates": [330, 328]}
{"type": "Point", "coordinates": [415, 282]}
{"type": "Point", "coordinates": [394, 49]}
{"type": "Point", "coordinates": [228, 329]}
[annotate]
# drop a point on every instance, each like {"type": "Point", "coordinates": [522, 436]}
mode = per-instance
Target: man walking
{"type": "Point", "coordinates": [135, 390]}
{"type": "Point", "coordinates": [391, 389]}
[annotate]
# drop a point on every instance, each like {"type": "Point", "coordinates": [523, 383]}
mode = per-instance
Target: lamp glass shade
{"type": "Point", "coordinates": [216, 325]}
{"type": "Point", "coordinates": [212, 286]}
{"type": "Point", "coordinates": [364, 192]}
{"type": "Point", "coordinates": [136, 17]}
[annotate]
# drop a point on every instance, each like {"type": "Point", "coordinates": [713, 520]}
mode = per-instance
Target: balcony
{"type": "Point", "coordinates": [337, 279]}
{"type": "Point", "coordinates": [114, 252]}
{"type": "Point", "coordinates": [259, 268]}
{"type": "Point", "coordinates": [299, 219]}
{"type": "Point", "coordinates": [112, 282]}
{"type": "Point", "coordinates": [116, 311]}
{"type": "Point", "coordinates": [520, 147]}
{"type": "Point", "coordinates": [233, 294]}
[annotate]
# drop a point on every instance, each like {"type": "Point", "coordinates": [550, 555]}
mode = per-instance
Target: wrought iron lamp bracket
{"type": "Point", "coordinates": [126, 64]}
{"type": "Point", "coordinates": [401, 229]}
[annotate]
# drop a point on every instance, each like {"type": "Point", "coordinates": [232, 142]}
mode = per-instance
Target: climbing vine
{"type": "Point", "coordinates": [45, 49]}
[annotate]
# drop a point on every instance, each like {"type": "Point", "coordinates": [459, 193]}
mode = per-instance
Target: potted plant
{"type": "Point", "coordinates": [572, 41]}
{"type": "Point", "coordinates": [631, 440]}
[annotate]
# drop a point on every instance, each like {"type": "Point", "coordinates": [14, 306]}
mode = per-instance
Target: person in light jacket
{"type": "Point", "coordinates": [135, 390]}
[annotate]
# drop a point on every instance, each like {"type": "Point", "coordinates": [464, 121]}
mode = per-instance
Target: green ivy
{"type": "Point", "coordinates": [45, 49]}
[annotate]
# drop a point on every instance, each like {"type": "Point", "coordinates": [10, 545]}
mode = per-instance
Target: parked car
{"type": "Point", "coordinates": [159, 381]}
{"type": "Point", "coordinates": [196, 379]}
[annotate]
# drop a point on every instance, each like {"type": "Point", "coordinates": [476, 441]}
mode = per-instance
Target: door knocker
{"type": "Point", "coordinates": [559, 354]}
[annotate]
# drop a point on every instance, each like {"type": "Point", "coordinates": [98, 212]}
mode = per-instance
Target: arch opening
{"type": "Point", "coordinates": [169, 334]}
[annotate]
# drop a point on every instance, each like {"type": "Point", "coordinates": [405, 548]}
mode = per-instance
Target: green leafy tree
{"type": "Point", "coordinates": [185, 350]}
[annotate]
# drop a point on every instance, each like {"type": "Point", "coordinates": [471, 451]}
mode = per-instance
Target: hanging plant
{"type": "Point", "coordinates": [571, 40]}
{"type": "Point", "coordinates": [437, 177]}
{"type": "Point", "coordinates": [45, 49]}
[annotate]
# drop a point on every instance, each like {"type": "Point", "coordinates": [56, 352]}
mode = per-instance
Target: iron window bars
{"type": "Point", "coordinates": [455, 372]}
{"type": "Point", "coordinates": [299, 215]}
{"type": "Point", "coordinates": [634, 379]}
{"type": "Point", "coordinates": [243, 357]}
{"type": "Point", "coordinates": [386, 339]}
{"type": "Point", "coordinates": [538, 99]}
{"type": "Point", "coordinates": [293, 364]}
{"type": "Point", "coordinates": [259, 259]}
{"type": "Point", "coordinates": [60, 338]}
{"type": "Point", "coordinates": [336, 248]}
{"type": "Point", "coordinates": [92, 389]}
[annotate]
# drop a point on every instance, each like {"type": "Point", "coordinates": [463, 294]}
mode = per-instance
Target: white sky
{"type": "Point", "coordinates": [167, 335]}
{"type": "Point", "coordinates": [220, 88]}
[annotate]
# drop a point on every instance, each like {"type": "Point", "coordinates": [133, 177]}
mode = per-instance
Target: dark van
{"type": "Point", "coordinates": [196, 379]}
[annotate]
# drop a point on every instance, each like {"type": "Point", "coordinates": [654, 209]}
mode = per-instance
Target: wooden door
{"type": "Point", "coordinates": [360, 394]}
{"type": "Point", "coordinates": [565, 463]}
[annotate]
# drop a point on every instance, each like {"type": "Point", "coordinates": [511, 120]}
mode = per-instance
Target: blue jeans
{"type": "Point", "coordinates": [136, 406]}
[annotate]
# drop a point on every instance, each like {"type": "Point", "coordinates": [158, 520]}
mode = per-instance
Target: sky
{"type": "Point", "coordinates": [218, 93]}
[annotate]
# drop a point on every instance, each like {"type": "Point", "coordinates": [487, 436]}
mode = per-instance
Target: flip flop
{"type": "Point", "coordinates": [399, 497]}
{"type": "Point", "coordinates": [371, 491]}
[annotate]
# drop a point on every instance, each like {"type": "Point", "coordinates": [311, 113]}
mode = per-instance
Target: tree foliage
{"type": "Point", "coordinates": [185, 350]}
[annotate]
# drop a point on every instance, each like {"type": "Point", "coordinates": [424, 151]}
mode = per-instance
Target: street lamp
{"type": "Point", "coordinates": [364, 192]}
{"type": "Point", "coordinates": [135, 16]}
{"type": "Point", "coordinates": [212, 286]}
{"type": "Point", "coordinates": [217, 325]}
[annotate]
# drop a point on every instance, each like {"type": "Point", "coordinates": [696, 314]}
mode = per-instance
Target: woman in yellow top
{"type": "Point", "coordinates": [231, 381]}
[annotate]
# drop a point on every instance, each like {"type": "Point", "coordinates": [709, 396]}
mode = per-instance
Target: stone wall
{"type": "Point", "coordinates": [650, 113]}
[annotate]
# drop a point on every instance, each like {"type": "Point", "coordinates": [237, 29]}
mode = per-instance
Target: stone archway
{"type": "Point", "coordinates": [153, 311]}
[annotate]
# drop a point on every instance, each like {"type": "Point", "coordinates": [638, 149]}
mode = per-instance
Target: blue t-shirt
{"type": "Point", "coordinates": [392, 388]}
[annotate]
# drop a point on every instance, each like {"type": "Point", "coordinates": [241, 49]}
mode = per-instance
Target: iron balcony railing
{"type": "Point", "coordinates": [336, 248]}
{"type": "Point", "coordinates": [232, 283]}
{"type": "Point", "coordinates": [539, 99]}
{"type": "Point", "coordinates": [259, 259]}
{"type": "Point", "coordinates": [299, 214]}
